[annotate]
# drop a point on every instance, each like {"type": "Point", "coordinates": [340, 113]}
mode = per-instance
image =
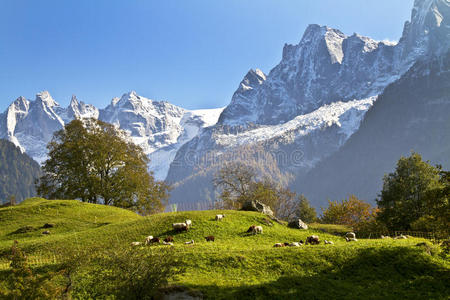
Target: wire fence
{"type": "Point", "coordinates": [392, 234]}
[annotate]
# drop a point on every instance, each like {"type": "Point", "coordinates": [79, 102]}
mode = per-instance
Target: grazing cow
{"type": "Point", "coordinates": [209, 238]}
{"type": "Point", "coordinates": [191, 242]}
{"type": "Point", "coordinates": [294, 244]}
{"type": "Point", "coordinates": [313, 240]}
{"type": "Point", "coordinates": [278, 245]}
{"type": "Point", "coordinates": [351, 239]}
{"type": "Point", "coordinates": [328, 242]}
{"type": "Point", "coordinates": [255, 229]}
{"type": "Point", "coordinates": [136, 243]}
{"type": "Point", "coordinates": [401, 237]}
{"type": "Point", "coordinates": [178, 227]}
{"type": "Point", "coordinates": [148, 239]}
{"type": "Point", "coordinates": [350, 235]}
{"type": "Point", "coordinates": [168, 239]}
{"type": "Point", "coordinates": [220, 217]}
{"type": "Point", "coordinates": [154, 240]}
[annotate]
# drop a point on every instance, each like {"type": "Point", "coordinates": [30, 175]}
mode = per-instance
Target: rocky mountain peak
{"type": "Point", "coordinates": [428, 32]}
{"type": "Point", "coordinates": [45, 98]}
{"type": "Point", "coordinates": [253, 79]}
{"type": "Point", "coordinates": [74, 101]}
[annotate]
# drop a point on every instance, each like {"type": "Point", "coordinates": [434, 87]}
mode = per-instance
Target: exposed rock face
{"type": "Point", "coordinates": [257, 206]}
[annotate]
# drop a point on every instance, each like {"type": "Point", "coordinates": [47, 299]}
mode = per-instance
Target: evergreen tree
{"type": "Point", "coordinates": [305, 211]}
{"type": "Point", "coordinates": [92, 161]}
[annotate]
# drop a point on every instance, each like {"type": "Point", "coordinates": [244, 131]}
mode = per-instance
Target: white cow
{"type": "Point", "coordinates": [148, 240]}
{"type": "Point", "coordinates": [257, 229]}
{"type": "Point", "coordinates": [180, 226]}
{"type": "Point", "coordinates": [219, 217]}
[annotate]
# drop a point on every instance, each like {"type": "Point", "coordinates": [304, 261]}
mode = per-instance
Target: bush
{"type": "Point", "coordinates": [23, 283]}
{"type": "Point", "coordinates": [127, 273]}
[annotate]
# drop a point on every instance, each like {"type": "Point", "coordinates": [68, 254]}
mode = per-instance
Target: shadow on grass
{"type": "Point", "coordinates": [374, 274]}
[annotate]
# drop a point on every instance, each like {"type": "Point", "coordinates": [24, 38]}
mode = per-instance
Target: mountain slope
{"type": "Point", "coordinates": [17, 173]}
{"type": "Point", "coordinates": [412, 114]}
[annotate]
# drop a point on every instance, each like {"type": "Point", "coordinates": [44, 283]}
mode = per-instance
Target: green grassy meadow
{"type": "Point", "coordinates": [237, 265]}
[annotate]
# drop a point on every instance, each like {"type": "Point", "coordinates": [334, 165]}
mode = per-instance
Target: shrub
{"type": "Point", "coordinates": [127, 273]}
{"type": "Point", "coordinates": [23, 283]}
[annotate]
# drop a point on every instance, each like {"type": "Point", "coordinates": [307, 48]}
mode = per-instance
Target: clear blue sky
{"type": "Point", "coordinates": [192, 53]}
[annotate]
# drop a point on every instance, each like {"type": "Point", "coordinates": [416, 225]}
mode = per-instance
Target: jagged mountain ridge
{"type": "Point", "coordinates": [159, 127]}
{"type": "Point", "coordinates": [328, 66]}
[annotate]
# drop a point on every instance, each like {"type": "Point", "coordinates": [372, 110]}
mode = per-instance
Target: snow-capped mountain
{"type": "Point", "coordinates": [160, 128]}
{"type": "Point", "coordinates": [328, 66]}
{"type": "Point", "coordinates": [305, 109]}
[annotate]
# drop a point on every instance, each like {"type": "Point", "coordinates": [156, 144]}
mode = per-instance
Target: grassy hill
{"type": "Point", "coordinates": [236, 265]}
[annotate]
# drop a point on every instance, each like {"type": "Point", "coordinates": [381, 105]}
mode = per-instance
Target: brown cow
{"type": "Point", "coordinates": [209, 238]}
{"type": "Point", "coordinates": [313, 240]}
{"type": "Point", "coordinates": [169, 239]}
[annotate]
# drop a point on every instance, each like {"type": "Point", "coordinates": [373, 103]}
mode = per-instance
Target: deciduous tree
{"type": "Point", "coordinates": [410, 192]}
{"type": "Point", "coordinates": [351, 211]}
{"type": "Point", "coordinates": [92, 161]}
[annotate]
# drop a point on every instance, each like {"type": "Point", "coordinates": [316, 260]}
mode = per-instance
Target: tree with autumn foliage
{"type": "Point", "coordinates": [351, 212]}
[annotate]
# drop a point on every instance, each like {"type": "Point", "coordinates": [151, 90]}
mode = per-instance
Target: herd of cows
{"type": "Point", "coordinates": [253, 229]}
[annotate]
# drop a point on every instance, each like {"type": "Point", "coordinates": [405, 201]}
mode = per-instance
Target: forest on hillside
{"type": "Point", "coordinates": [18, 173]}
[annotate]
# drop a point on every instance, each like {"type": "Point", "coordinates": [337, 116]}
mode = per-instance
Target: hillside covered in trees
{"type": "Point", "coordinates": [17, 173]}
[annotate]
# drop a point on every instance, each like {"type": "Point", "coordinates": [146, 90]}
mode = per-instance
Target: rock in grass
{"type": "Point", "coordinates": [298, 224]}
{"type": "Point", "coordinates": [254, 205]}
